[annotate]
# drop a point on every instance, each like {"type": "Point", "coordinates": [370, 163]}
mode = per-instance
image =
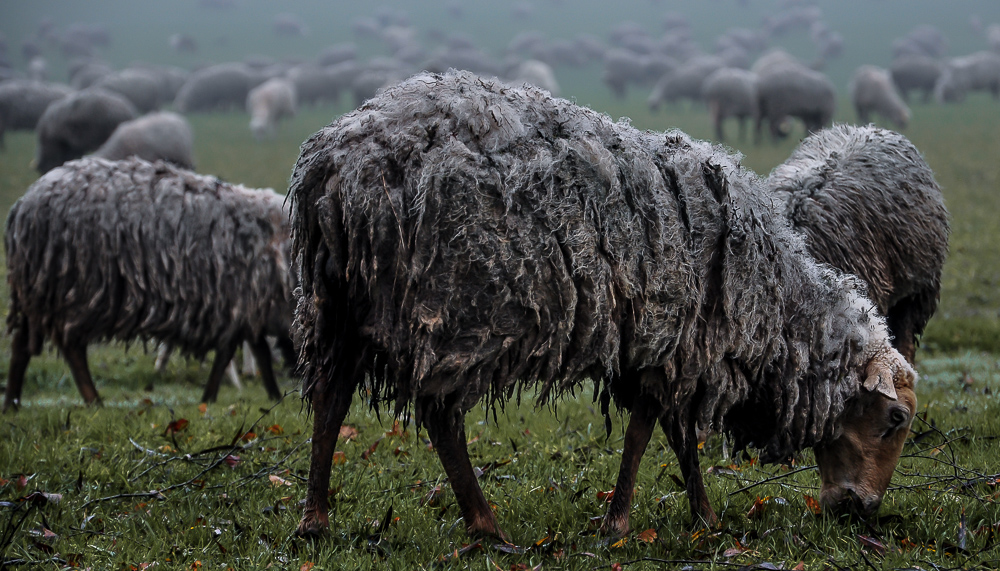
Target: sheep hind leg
{"type": "Point", "coordinates": [76, 358]}
{"type": "Point", "coordinates": [640, 428]}
{"type": "Point", "coordinates": [330, 406]}
{"type": "Point", "coordinates": [223, 355]}
{"type": "Point", "coordinates": [20, 355]}
{"type": "Point", "coordinates": [447, 433]}
{"type": "Point", "coordinates": [684, 441]}
{"type": "Point", "coordinates": [262, 354]}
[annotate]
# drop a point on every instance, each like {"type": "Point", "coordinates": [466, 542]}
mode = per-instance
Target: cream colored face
{"type": "Point", "coordinates": [856, 467]}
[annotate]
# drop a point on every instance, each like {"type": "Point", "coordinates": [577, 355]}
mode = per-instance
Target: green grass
{"type": "Point", "coordinates": [549, 465]}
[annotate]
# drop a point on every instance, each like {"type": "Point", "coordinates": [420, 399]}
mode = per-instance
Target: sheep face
{"type": "Point", "coordinates": [857, 465]}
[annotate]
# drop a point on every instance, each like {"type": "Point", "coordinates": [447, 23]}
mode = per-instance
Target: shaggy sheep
{"type": "Point", "coordinates": [79, 124]}
{"type": "Point", "coordinates": [23, 101]}
{"type": "Point", "coordinates": [269, 103]}
{"type": "Point", "coordinates": [100, 250]}
{"type": "Point", "coordinates": [157, 136]}
{"type": "Point", "coordinates": [872, 90]}
{"type": "Point", "coordinates": [730, 92]}
{"type": "Point", "coordinates": [459, 238]}
{"type": "Point", "coordinates": [790, 90]}
{"type": "Point", "coordinates": [916, 73]}
{"type": "Point", "coordinates": [868, 205]}
{"type": "Point", "coordinates": [975, 72]}
{"type": "Point", "coordinates": [219, 87]}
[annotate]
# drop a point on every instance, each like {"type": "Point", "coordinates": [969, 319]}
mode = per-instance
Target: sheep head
{"type": "Point", "coordinates": [857, 465]}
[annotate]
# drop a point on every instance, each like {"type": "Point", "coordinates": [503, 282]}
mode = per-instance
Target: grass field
{"type": "Point", "coordinates": [129, 484]}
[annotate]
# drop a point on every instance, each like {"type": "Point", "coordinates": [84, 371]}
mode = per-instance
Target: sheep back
{"type": "Point", "coordinates": [870, 206]}
{"type": "Point", "coordinates": [129, 250]}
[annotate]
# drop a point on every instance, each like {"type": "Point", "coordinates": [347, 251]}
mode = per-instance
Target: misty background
{"type": "Point", "coordinates": [232, 30]}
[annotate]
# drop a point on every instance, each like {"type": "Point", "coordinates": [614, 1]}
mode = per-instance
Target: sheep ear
{"type": "Point", "coordinates": [880, 379]}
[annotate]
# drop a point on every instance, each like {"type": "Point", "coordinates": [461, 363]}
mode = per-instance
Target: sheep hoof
{"type": "Point", "coordinates": [312, 527]}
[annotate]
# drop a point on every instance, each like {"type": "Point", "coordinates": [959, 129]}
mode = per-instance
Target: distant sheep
{"type": "Point", "coordinates": [459, 239]}
{"type": "Point", "coordinates": [162, 136]}
{"type": "Point", "coordinates": [100, 250]}
{"type": "Point", "coordinates": [216, 88]}
{"type": "Point", "coordinates": [869, 206]}
{"type": "Point", "coordinates": [79, 124]}
{"type": "Point", "coordinates": [269, 103]}
{"type": "Point", "coordinates": [23, 101]}
{"type": "Point", "coordinates": [139, 86]}
{"type": "Point", "coordinates": [684, 82]}
{"type": "Point", "coordinates": [787, 90]}
{"type": "Point", "coordinates": [731, 92]}
{"type": "Point", "coordinates": [872, 90]}
{"type": "Point", "coordinates": [916, 73]}
{"type": "Point", "coordinates": [536, 73]}
{"type": "Point", "coordinates": [975, 72]}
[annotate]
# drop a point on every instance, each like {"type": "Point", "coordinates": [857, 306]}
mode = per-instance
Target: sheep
{"type": "Point", "coordinates": [871, 89]}
{"type": "Point", "coordinates": [730, 92]}
{"type": "Point", "coordinates": [979, 71]}
{"type": "Point", "coordinates": [792, 90]}
{"type": "Point", "coordinates": [126, 250]}
{"type": "Point", "coordinates": [459, 238]}
{"type": "Point", "coordinates": [269, 103]}
{"type": "Point", "coordinates": [684, 82]}
{"type": "Point", "coordinates": [993, 37]}
{"type": "Point", "coordinates": [163, 136]}
{"type": "Point", "coordinates": [916, 73]}
{"type": "Point", "coordinates": [218, 87]}
{"type": "Point", "coordinates": [536, 73]}
{"type": "Point", "coordinates": [869, 206]}
{"type": "Point", "coordinates": [23, 101]}
{"type": "Point", "coordinates": [78, 124]}
{"type": "Point", "coordinates": [139, 86]}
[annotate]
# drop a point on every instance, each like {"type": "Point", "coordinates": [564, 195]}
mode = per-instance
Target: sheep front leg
{"type": "Point", "coordinates": [330, 406]}
{"type": "Point", "coordinates": [447, 433]}
{"type": "Point", "coordinates": [223, 355]}
{"type": "Point", "coordinates": [20, 355]}
{"type": "Point", "coordinates": [262, 353]}
{"type": "Point", "coordinates": [637, 435]}
{"type": "Point", "coordinates": [684, 441]}
{"type": "Point", "coordinates": [76, 358]}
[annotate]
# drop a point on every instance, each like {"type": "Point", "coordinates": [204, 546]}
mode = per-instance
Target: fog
{"type": "Point", "coordinates": [233, 30]}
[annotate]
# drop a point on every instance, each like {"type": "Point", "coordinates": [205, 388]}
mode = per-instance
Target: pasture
{"type": "Point", "coordinates": [152, 478]}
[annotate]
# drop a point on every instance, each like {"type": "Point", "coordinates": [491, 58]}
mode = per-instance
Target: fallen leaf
{"type": "Point", "coordinates": [348, 432]}
{"type": "Point", "coordinates": [203, 409]}
{"type": "Point", "coordinates": [307, 566]}
{"type": "Point", "coordinates": [275, 429]}
{"type": "Point", "coordinates": [758, 508]}
{"type": "Point", "coordinates": [232, 460]}
{"type": "Point", "coordinates": [605, 496]}
{"type": "Point", "coordinates": [620, 543]}
{"type": "Point", "coordinates": [872, 543]}
{"type": "Point", "coordinates": [22, 482]}
{"type": "Point", "coordinates": [176, 426]}
{"type": "Point", "coordinates": [339, 457]}
{"type": "Point", "coordinates": [733, 552]}
{"type": "Point", "coordinates": [800, 567]}
{"type": "Point", "coordinates": [371, 450]}
{"type": "Point", "coordinates": [616, 567]}
{"type": "Point", "coordinates": [248, 436]}
{"type": "Point", "coordinates": [648, 536]}
{"type": "Point", "coordinates": [813, 505]}
{"type": "Point", "coordinates": [431, 498]}
{"type": "Point", "coordinates": [279, 481]}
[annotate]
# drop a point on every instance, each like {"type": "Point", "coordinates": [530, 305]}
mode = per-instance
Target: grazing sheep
{"type": "Point", "coordinates": [684, 82]}
{"type": "Point", "coordinates": [269, 103]}
{"type": "Point", "coordinates": [79, 124]}
{"type": "Point", "coordinates": [730, 92]}
{"type": "Point", "coordinates": [315, 84]}
{"type": "Point", "coordinates": [872, 90]}
{"type": "Point", "coordinates": [791, 90]}
{"type": "Point", "coordinates": [459, 238]}
{"type": "Point", "coordinates": [916, 73]}
{"type": "Point", "coordinates": [993, 37]}
{"type": "Point", "coordinates": [218, 87]}
{"type": "Point", "coordinates": [868, 205]}
{"type": "Point", "coordinates": [536, 73]}
{"type": "Point", "coordinates": [23, 101]}
{"type": "Point", "coordinates": [84, 73]}
{"type": "Point", "coordinates": [100, 250]}
{"type": "Point", "coordinates": [139, 86]}
{"type": "Point", "coordinates": [975, 72]}
{"type": "Point", "coordinates": [162, 136]}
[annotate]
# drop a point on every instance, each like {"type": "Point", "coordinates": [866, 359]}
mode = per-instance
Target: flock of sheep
{"type": "Point", "coordinates": [460, 238]}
